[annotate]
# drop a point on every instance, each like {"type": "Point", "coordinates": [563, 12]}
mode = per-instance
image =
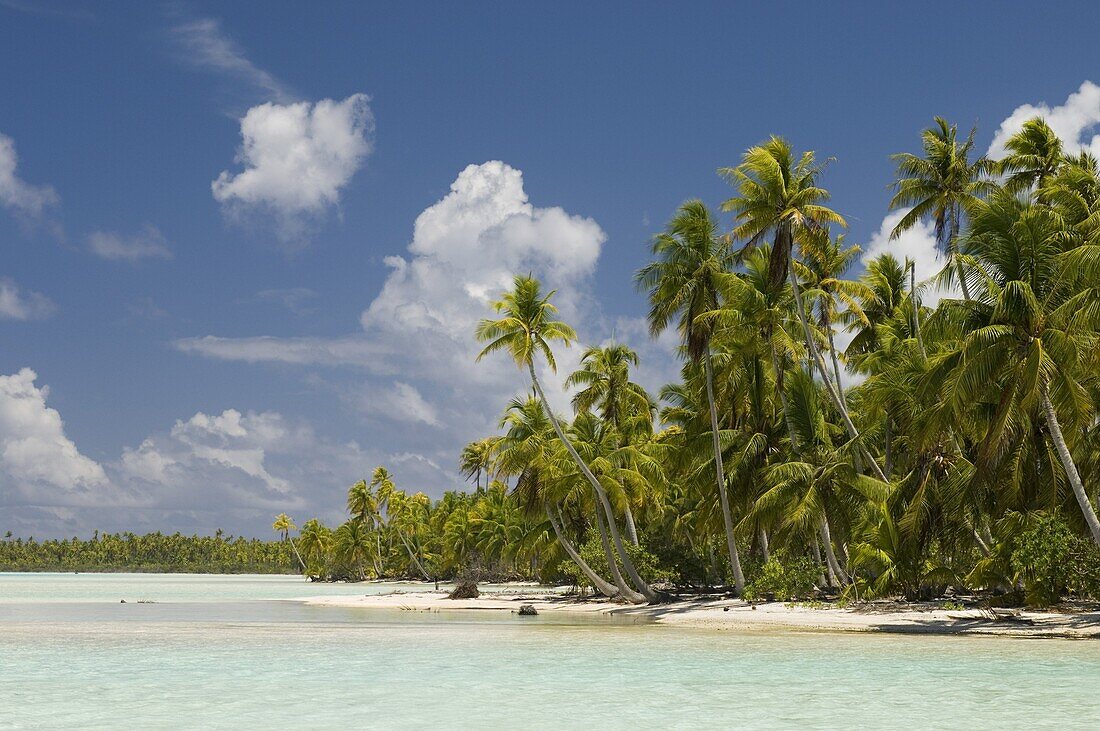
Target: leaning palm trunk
{"type": "Point", "coordinates": [625, 590]}
{"type": "Point", "coordinates": [830, 554]}
{"type": "Point", "coordinates": [723, 497]}
{"type": "Point", "coordinates": [834, 393]}
{"type": "Point", "coordinates": [601, 494]}
{"type": "Point", "coordinates": [602, 586]}
{"type": "Point", "coordinates": [295, 549]}
{"type": "Point", "coordinates": [413, 557]}
{"type": "Point", "coordinates": [765, 553]}
{"type": "Point", "coordinates": [631, 528]}
{"type": "Point", "coordinates": [1070, 468]}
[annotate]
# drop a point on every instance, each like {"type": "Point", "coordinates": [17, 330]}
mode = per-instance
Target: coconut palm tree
{"type": "Point", "coordinates": [477, 460]}
{"type": "Point", "coordinates": [353, 545]}
{"type": "Point", "coordinates": [1036, 328]}
{"type": "Point", "coordinates": [527, 327]}
{"type": "Point", "coordinates": [604, 383]}
{"type": "Point", "coordinates": [779, 195]}
{"type": "Point", "coordinates": [683, 284]}
{"type": "Point", "coordinates": [939, 187]}
{"type": "Point", "coordinates": [527, 451]}
{"type": "Point", "coordinates": [283, 524]}
{"type": "Point", "coordinates": [1032, 157]}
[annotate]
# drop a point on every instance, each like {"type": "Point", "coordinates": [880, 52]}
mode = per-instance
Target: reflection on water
{"type": "Point", "coordinates": [246, 663]}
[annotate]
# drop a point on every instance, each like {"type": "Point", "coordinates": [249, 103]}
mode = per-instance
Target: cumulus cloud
{"type": "Point", "coordinates": [33, 446]}
{"type": "Point", "coordinates": [416, 347]}
{"type": "Point", "coordinates": [16, 304]}
{"type": "Point", "coordinates": [148, 243]}
{"type": "Point", "coordinates": [1073, 121]}
{"type": "Point", "coordinates": [918, 244]}
{"type": "Point", "coordinates": [231, 469]}
{"type": "Point", "coordinates": [202, 43]}
{"type": "Point", "coordinates": [16, 194]}
{"type": "Point", "coordinates": [297, 158]}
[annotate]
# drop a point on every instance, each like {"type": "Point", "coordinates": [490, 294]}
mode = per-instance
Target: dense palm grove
{"type": "Point", "coordinates": [953, 447]}
{"type": "Point", "coordinates": [154, 552]}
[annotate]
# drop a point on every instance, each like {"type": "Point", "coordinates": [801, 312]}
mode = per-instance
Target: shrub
{"type": "Point", "coordinates": [1052, 562]}
{"type": "Point", "coordinates": [791, 578]}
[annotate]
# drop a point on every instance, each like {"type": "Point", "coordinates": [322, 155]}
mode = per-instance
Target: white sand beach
{"type": "Point", "coordinates": [735, 614]}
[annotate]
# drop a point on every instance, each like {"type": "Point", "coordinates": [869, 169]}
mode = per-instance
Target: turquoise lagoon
{"type": "Point", "coordinates": [238, 652]}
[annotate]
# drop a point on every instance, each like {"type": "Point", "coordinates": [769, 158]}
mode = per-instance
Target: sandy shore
{"type": "Point", "coordinates": [734, 614]}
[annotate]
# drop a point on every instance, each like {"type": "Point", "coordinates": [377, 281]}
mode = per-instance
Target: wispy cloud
{"type": "Point", "coordinates": [148, 243]}
{"type": "Point", "coordinates": [16, 304]}
{"type": "Point", "coordinates": [202, 43]}
{"type": "Point", "coordinates": [16, 194]}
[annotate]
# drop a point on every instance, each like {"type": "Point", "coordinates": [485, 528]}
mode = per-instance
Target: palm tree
{"type": "Point", "coordinates": [316, 541]}
{"type": "Point", "coordinates": [353, 545]}
{"type": "Point", "coordinates": [526, 450]}
{"type": "Point", "coordinates": [683, 285]}
{"type": "Point", "coordinates": [477, 459]}
{"type": "Point", "coordinates": [1033, 156]}
{"type": "Point", "coordinates": [778, 195]}
{"type": "Point", "coordinates": [1037, 324]}
{"type": "Point", "coordinates": [826, 260]}
{"type": "Point", "coordinates": [283, 524]}
{"type": "Point", "coordinates": [604, 381]}
{"type": "Point", "coordinates": [527, 328]}
{"type": "Point", "coordinates": [940, 186]}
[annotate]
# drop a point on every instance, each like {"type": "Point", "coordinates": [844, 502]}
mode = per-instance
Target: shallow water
{"type": "Point", "coordinates": [242, 656]}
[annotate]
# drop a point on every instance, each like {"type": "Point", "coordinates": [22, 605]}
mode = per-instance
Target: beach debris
{"type": "Point", "coordinates": [465, 589]}
{"type": "Point", "coordinates": [528, 610]}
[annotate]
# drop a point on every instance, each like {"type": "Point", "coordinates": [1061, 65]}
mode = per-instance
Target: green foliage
{"type": "Point", "coordinates": [1053, 562]}
{"type": "Point", "coordinates": [787, 580]}
{"type": "Point", "coordinates": [649, 568]}
{"type": "Point", "coordinates": [153, 552]}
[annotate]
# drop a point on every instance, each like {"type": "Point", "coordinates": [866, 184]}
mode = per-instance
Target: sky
{"type": "Point", "coordinates": [245, 245]}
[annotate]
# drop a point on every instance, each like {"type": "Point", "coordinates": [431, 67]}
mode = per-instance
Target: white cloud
{"type": "Point", "coordinates": [203, 43]}
{"type": "Point", "coordinates": [148, 243]}
{"type": "Point", "coordinates": [918, 244]}
{"type": "Point", "coordinates": [33, 445]}
{"type": "Point", "coordinates": [1072, 121]}
{"type": "Point", "coordinates": [16, 194]}
{"type": "Point", "coordinates": [397, 402]}
{"type": "Point", "coordinates": [297, 158]}
{"type": "Point", "coordinates": [18, 305]}
{"type": "Point", "coordinates": [417, 341]}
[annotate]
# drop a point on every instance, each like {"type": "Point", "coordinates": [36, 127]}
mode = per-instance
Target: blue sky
{"type": "Point", "coordinates": [198, 330]}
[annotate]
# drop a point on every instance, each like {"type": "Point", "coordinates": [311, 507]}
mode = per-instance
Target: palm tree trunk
{"type": "Point", "coordinates": [412, 556]}
{"type": "Point", "coordinates": [1067, 464]}
{"type": "Point", "coordinates": [631, 528]}
{"type": "Point", "coordinates": [830, 554]}
{"type": "Point", "coordinates": [625, 590]}
{"type": "Point", "coordinates": [764, 550]}
{"type": "Point", "coordinates": [727, 517]}
{"type": "Point", "coordinates": [295, 549]}
{"type": "Point", "coordinates": [954, 253]}
{"type": "Point", "coordinates": [832, 350]}
{"type": "Point", "coordinates": [816, 550]}
{"type": "Point", "coordinates": [783, 397]}
{"type": "Point", "coordinates": [602, 586]}
{"type": "Point", "coordinates": [834, 393]}
{"type": "Point", "coordinates": [643, 587]}
{"type": "Point", "coordinates": [915, 302]}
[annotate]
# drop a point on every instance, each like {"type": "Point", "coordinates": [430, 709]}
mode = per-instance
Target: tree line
{"type": "Point", "coordinates": [954, 446]}
{"type": "Point", "coordinates": [153, 552]}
